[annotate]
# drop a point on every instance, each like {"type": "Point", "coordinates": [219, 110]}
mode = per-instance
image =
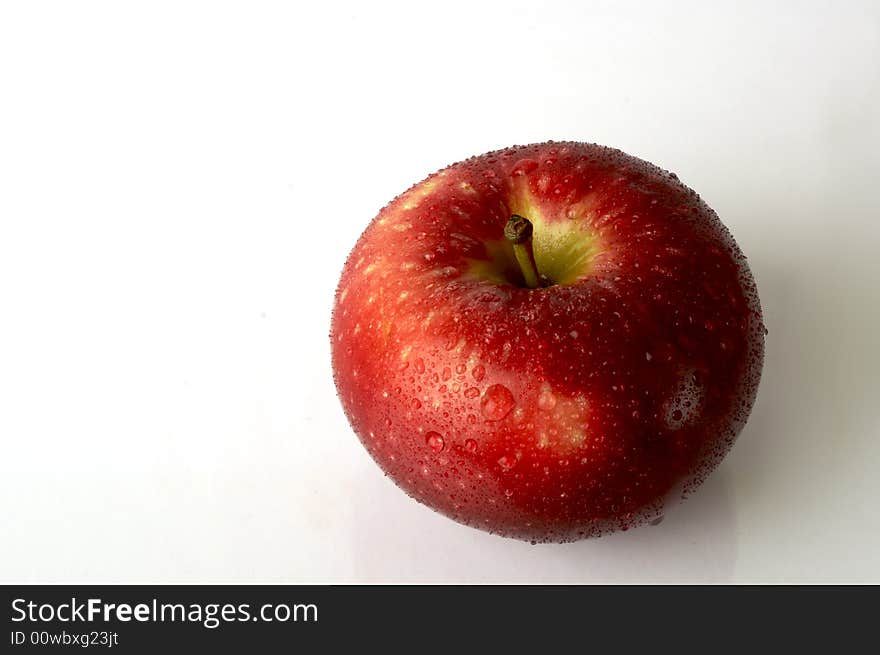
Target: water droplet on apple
{"type": "Point", "coordinates": [416, 403]}
{"type": "Point", "coordinates": [546, 401]}
{"type": "Point", "coordinates": [471, 392]}
{"type": "Point", "coordinates": [451, 339]}
{"type": "Point", "coordinates": [479, 372]}
{"type": "Point", "coordinates": [470, 445]}
{"type": "Point", "coordinates": [685, 404]}
{"type": "Point", "coordinates": [497, 402]}
{"type": "Point", "coordinates": [419, 365]}
{"type": "Point", "coordinates": [460, 369]}
{"type": "Point", "coordinates": [524, 167]}
{"type": "Point", "coordinates": [507, 462]}
{"type": "Point", "coordinates": [435, 441]}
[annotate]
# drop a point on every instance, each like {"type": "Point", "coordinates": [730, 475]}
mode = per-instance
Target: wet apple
{"type": "Point", "coordinates": [547, 342]}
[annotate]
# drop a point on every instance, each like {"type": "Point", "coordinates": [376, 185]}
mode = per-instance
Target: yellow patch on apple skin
{"type": "Point", "coordinates": [518, 415]}
{"type": "Point", "coordinates": [563, 249]}
{"type": "Point", "coordinates": [565, 246]}
{"type": "Point", "coordinates": [466, 187]}
{"type": "Point", "coordinates": [577, 437]}
{"type": "Point", "coordinates": [584, 208]}
{"type": "Point", "coordinates": [498, 268]}
{"type": "Point", "coordinates": [523, 203]}
{"type": "Point", "coordinates": [413, 198]}
{"type": "Point", "coordinates": [561, 424]}
{"type": "Point", "coordinates": [473, 361]}
{"type": "Point", "coordinates": [546, 398]}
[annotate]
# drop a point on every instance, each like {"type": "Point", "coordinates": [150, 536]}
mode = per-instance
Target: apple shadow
{"type": "Point", "coordinates": [806, 450]}
{"type": "Point", "coordinates": [695, 542]}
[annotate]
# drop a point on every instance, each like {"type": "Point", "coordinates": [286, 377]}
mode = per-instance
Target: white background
{"type": "Point", "coordinates": [180, 184]}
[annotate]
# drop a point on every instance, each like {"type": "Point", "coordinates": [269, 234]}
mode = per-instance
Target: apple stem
{"type": "Point", "coordinates": [519, 232]}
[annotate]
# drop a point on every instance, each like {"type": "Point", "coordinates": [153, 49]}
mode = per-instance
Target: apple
{"type": "Point", "coordinates": [547, 342]}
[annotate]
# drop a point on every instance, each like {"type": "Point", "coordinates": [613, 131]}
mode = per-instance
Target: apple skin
{"type": "Point", "coordinates": [556, 413]}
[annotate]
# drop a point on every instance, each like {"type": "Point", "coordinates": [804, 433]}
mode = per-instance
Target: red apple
{"type": "Point", "coordinates": [547, 342]}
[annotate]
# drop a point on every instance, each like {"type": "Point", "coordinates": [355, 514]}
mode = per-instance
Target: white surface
{"type": "Point", "coordinates": [180, 184]}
